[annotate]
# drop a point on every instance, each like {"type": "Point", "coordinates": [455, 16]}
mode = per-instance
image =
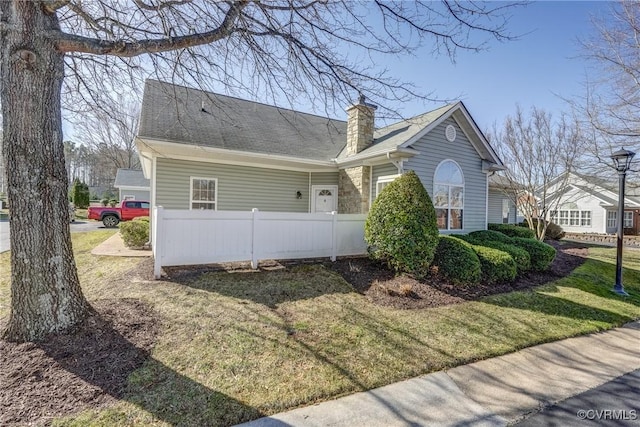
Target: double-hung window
{"type": "Point", "coordinates": [448, 195]}
{"type": "Point", "coordinates": [574, 218]}
{"type": "Point", "coordinates": [611, 219]}
{"type": "Point", "coordinates": [564, 218]}
{"type": "Point", "coordinates": [204, 193]}
{"type": "Point", "coordinates": [585, 218]}
{"type": "Point", "coordinates": [628, 219]}
{"type": "Point", "coordinates": [382, 182]}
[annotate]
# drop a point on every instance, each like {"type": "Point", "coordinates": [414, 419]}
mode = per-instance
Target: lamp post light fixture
{"type": "Point", "coordinates": [622, 160]}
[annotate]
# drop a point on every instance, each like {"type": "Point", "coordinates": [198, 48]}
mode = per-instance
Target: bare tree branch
{"type": "Point", "coordinates": [610, 107]}
{"type": "Point", "coordinates": [74, 43]}
{"type": "Point", "coordinates": [540, 154]}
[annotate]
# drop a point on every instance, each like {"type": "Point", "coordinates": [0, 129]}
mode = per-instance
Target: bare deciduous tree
{"type": "Point", "coordinates": [540, 153]}
{"type": "Point", "coordinates": [110, 132]}
{"type": "Point", "coordinates": [79, 52]}
{"type": "Point", "coordinates": [610, 108]}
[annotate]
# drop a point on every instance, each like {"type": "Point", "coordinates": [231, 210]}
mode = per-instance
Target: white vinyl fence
{"type": "Point", "coordinates": [189, 237]}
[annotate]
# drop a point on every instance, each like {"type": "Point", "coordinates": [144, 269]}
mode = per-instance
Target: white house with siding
{"type": "Point", "coordinates": [588, 204]}
{"type": "Point", "coordinates": [202, 150]}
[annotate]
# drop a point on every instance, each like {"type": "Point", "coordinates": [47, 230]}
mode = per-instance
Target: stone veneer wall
{"type": "Point", "coordinates": [360, 122]}
{"type": "Point", "coordinates": [605, 239]}
{"type": "Point", "coordinates": [353, 190]}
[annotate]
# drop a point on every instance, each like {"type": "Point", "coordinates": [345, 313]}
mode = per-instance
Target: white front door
{"type": "Point", "coordinates": [324, 198]}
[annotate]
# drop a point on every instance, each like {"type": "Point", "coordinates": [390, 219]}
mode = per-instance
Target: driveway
{"type": "Point", "coordinates": [77, 226]}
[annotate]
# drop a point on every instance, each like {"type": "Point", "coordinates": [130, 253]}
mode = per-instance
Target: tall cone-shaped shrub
{"type": "Point", "coordinates": [401, 227]}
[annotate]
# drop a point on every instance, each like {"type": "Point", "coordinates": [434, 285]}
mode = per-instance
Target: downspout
{"type": "Point", "coordinates": [370, 188]}
{"type": "Point", "coordinates": [310, 195]}
{"type": "Point", "coordinates": [152, 189]}
{"type": "Point", "coordinates": [486, 206]}
{"type": "Point", "coordinates": [486, 202]}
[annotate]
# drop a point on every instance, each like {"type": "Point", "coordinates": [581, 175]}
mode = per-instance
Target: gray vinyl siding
{"type": "Point", "coordinates": [239, 187]}
{"type": "Point", "coordinates": [324, 178]}
{"type": "Point", "coordinates": [138, 194]}
{"type": "Point", "coordinates": [434, 148]}
{"type": "Point", "coordinates": [495, 208]}
{"type": "Point", "coordinates": [377, 172]}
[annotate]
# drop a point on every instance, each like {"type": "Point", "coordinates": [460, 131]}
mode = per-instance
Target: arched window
{"type": "Point", "coordinates": [448, 195]}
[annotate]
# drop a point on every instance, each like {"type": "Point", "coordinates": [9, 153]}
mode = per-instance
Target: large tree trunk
{"type": "Point", "coordinates": [45, 292]}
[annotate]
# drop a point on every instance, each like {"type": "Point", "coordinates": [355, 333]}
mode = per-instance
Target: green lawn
{"type": "Point", "coordinates": [235, 346]}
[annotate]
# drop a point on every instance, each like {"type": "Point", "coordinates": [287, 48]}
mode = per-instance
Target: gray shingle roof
{"type": "Point", "coordinates": [130, 178]}
{"type": "Point", "coordinates": [190, 116]}
{"type": "Point", "coordinates": [394, 135]}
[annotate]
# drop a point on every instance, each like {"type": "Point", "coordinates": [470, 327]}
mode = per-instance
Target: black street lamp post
{"type": "Point", "coordinates": [622, 160]}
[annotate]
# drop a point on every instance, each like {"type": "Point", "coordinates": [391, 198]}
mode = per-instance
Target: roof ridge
{"type": "Point", "coordinates": [243, 100]}
{"type": "Point", "coordinates": [445, 107]}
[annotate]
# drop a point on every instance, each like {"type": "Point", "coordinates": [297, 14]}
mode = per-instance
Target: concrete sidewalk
{"type": "Point", "coordinates": [492, 392]}
{"type": "Point", "coordinates": [114, 246]}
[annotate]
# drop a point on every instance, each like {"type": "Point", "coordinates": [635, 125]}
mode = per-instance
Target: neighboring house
{"type": "Point", "coordinates": [132, 185]}
{"type": "Point", "coordinates": [501, 208]}
{"type": "Point", "coordinates": [207, 151]}
{"type": "Point", "coordinates": [590, 205]}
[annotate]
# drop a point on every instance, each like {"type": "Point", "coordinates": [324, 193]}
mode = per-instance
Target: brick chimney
{"type": "Point", "coordinates": [360, 126]}
{"type": "Point", "coordinates": [353, 182]}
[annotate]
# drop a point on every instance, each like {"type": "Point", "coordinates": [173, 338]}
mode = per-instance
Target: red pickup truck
{"type": "Point", "coordinates": [125, 211]}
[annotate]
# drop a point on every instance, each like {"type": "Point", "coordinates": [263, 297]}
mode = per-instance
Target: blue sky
{"type": "Point", "coordinates": [536, 70]}
{"type": "Point", "coordinates": [539, 68]}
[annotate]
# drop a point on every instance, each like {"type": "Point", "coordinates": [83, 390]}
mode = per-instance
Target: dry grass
{"type": "Point", "coordinates": [235, 346]}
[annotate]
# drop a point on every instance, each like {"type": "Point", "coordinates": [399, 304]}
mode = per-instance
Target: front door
{"type": "Point", "coordinates": [324, 198]}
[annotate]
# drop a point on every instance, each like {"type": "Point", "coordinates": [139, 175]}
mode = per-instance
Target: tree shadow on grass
{"type": "Point", "coordinates": [269, 287]}
{"type": "Point", "coordinates": [106, 360]}
{"type": "Point", "coordinates": [595, 278]}
{"type": "Point", "coordinates": [556, 306]}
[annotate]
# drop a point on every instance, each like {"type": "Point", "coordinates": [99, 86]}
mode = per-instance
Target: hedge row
{"type": "Point", "coordinates": [513, 230]}
{"type": "Point", "coordinates": [497, 266]}
{"type": "Point", "coordinates": [457, 261]}
{"type": "Point", "coordinates": [465, 263]}
{"type": "Point", "coordinates": [541, 254]}
{"type": "Point", "coordinates": [519, 255]}
{"type": "Point", "coordinates": [500, 257]}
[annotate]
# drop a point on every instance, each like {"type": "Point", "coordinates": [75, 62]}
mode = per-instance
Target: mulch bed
{"type": "Point", "coordinates": [89, 368]}
{"type": "Point", "coordinates": [381, 287]}
{"type": "Point", "coordinates": [69, 373]}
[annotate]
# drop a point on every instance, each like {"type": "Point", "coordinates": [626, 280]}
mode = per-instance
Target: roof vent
{"type": "Point", "coordinates": [450, 133]}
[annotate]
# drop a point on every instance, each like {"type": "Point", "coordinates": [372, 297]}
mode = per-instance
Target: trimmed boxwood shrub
{"type": "Point", "coordinates": [513, 230]}
{"type": "Point", "coordinates": [541, 254]}
{"type": "Point", "coordinates": [135, 233]}
{"type": "Point", "coordinates": [457, 261]}
{"type": "Point", "coordinates": [497, 266]}
{"type": "Point", "coordinates": [490, 235]}
{"type": "Point", "coordinates": [519, 255]}
{"type": "Point", "coordinates": [401, 227]}
{"type": "Point", "coordinates": [554, 231]}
